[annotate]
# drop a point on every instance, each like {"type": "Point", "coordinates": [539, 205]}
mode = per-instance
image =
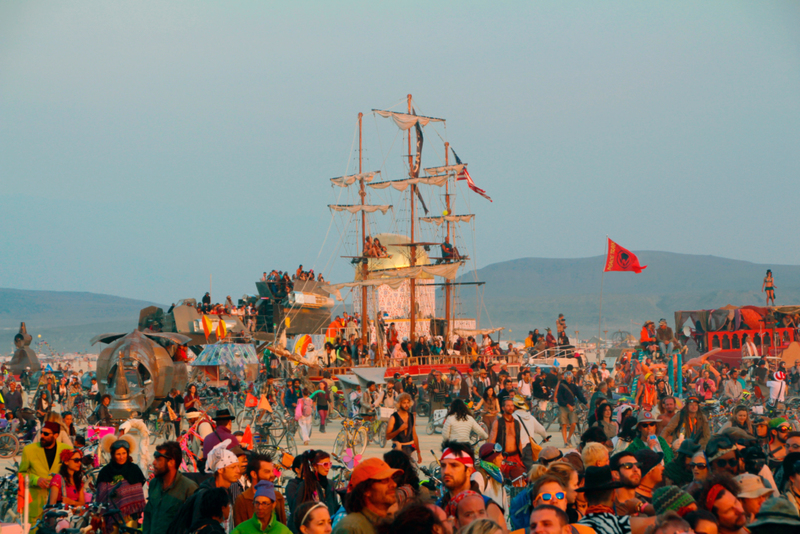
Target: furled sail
{"type": "Point", "coordinates": [473, 333]}
{"type": "Point", "coordinates": [396, 279]}
{"type": "Point", "coordinates": [448, 218]}
{"type": "Point", "coordinates": [404, 121]}
{"type": "Point", "coordinates": [445, 270]}
{"type": "Point", "coordinates": [402, 185]}
{"type": "Point", "coordinates": [344, 181]}
{"type": "Point", "coordinates": [355, 208]}
{"type": "Point", "coordinates": [447, 169]}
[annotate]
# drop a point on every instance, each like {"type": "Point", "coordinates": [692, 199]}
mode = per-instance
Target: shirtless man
{"type": "Point", "coordinates": [506, 431]}
{"type": "Point", "coordinates": [402, 430]}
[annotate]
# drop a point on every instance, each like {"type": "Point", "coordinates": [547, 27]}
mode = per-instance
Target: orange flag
{"type": "Point", "coordinates": [222, 329]}
{"type": "Point", "coordinates": [250, 401]}
{"type": "Point", "coordinates": [247, 439]}
{"type": "Point", "coordinates": [206, 326]}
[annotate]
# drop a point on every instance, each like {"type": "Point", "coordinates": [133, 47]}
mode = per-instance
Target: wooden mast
{"type": "Point", "coordinates": [364, 269]}
{"type": "Point", "coordinates": [447, 288]}
{"type": "Point", "coordinates": [413, 251]}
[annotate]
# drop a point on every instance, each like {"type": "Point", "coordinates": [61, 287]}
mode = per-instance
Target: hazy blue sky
{"type": "Point", "coordinates": [147, 145]}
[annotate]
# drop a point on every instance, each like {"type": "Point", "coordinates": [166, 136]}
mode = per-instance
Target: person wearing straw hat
{"type": "Point", "coordinates": [753, 494]}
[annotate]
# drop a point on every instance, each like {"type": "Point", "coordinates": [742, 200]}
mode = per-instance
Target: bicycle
{"type": "Point", "coordinates": [271, 435]}
{"type": "Point", "coordinates": [353, 435]}
{"type": "Point", "coordinates": [376, 428]}
{"type": "Point", "coordinates": [160, 429]}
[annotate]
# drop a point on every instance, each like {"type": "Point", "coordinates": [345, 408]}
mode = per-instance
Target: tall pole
{"type": "Point", "coordinates": [364, 269]}
{"type": "Point", "coordinates": [600, 315]}
{"type": "Point", "coordinates": [447, 288]}
{"type": "Point", "coordinates": [413, 251]}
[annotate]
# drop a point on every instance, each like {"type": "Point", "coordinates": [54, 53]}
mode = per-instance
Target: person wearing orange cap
{"type": "Point", "coordinates": [370, 494]}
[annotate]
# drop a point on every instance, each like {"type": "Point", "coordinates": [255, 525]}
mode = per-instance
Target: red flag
{"type": "Point", "coordinates": [246, 440]}
{"type": "Point", "coordinates": [621, 259]}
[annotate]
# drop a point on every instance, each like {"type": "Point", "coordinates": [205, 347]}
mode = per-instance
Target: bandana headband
{"type": "Point", "coordinates": [713, 493]}
{"type": "Point", "coordinates": [462, 457]}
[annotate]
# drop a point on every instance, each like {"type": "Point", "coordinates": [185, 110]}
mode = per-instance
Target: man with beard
{"type": "Point", "coordinates": [625, 468]}
{"type": "Point", "coordinates": [370, 494]}
{"type": "Point", "coordinates": [599, 489]}
{"type": "Point", "coordinates": [40, 461]}
{"type": "Point", "coordinates": [259, 467]}
{"type": "Point", "coordinates": [402, 431]}
{"type": "Point", "coordinates": [652, 468]}
{"type": "Point", "coordinates": [666, 409]}
{"type": "Point", "coordinates": [168, 490]}
{"type": "Point", "coordinates": [723, 456]}
{"type": "Point", "coordinates": [718, 495]}
{"type": "Point", "coordinates": [779, 429]}
{"type": "Point", "coordinates": [507, 431]}
{"type": "Point", "coordinates": [457, 468]}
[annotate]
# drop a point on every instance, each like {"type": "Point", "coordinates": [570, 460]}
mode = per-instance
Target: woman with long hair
{"type": "Point", "coordinates": [740, 418]}
{"type": "Point", "coordinates": [604, 418]}
{"type": "Point", "coordinates": [129, 496]}
{"type": "Point", "coordinates": [67, 486]}
{"type": "Point", "coordinates": [490, 405]}
{"type": "Point", "coordinates": [314, 485]}
{"type": "Point", "coordinates": [459, 425]}
{"type": "Point", "coordinates": [191, 400]}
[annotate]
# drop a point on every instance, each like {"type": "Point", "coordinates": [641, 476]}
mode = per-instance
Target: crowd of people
{"type": "Point", "coordinates": [283, 282]}
{"type": "Point", "coordinates": [650, 457]}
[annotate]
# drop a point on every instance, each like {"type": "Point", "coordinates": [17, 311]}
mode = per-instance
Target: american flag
{"type": "Point", "coordinates": [464, 175]}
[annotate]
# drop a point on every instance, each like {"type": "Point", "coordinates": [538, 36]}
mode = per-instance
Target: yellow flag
{"type": "Point", "coordinates": [206, 326]}
{"type": "Point", "coordinates": [222, 329]}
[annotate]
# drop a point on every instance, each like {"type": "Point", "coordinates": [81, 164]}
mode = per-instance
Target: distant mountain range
{"type": "Point", "coordinates": [66, 320]}
{"type": "Point", "coordinates": [529, 293]}
{"type": "Point", "coordinates": [519, 294]}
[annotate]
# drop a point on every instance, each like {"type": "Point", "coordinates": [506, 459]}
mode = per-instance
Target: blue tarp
{"type": "Point", "coordinates": [233, 356]}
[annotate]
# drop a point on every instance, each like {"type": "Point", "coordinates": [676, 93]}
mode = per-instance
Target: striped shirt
{"type": "Point", "coordinates": [605, 523]}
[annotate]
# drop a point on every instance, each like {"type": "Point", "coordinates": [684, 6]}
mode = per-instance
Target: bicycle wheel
{"type": "Point", "coordinates": [424, 409]}
{"type": "Point", "coordinates": [339, 442]}
{"type": "Point", "coordinates": [382, 435]}
{"type": "Point", "coordinates": [9, 445]}
{"type": "Point", "coordinates": [245, 417]}
{"type": "Point", "coordinates": [360, 441]}
{"type": "Point", "coordinates": [291, 445]}
{"type": "Point", "coordinates": [430, 428]}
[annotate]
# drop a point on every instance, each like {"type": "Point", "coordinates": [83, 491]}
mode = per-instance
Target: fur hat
{"type": "Point", "coordinates": [106, 444]}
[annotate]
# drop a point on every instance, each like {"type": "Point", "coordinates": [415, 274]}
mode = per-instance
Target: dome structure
{"type": "Point", "coordinates": [399, 257]}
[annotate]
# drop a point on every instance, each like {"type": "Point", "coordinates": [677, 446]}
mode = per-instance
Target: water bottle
{"type": "Point", "coordinates": [657, 447]}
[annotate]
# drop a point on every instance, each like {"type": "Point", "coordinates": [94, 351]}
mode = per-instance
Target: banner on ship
{"type": "Point", "coordinates": [621, 259]}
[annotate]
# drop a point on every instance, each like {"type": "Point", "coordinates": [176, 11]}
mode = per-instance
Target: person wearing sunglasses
{"type": "Point", "coordinates": [67, 486]}
{"type": "Point", "coordinates": [40, 461]}
{"type": "Point", "coordinates": [723, 456]}
{"type": "Point", "coordinates": [626, 470]}
{"type": "Point", "coordinates": [779, 429]}
{"type": "Point", "coordinates": [315, 485]}
{"type": "Point", "coordinates": [646, 424]}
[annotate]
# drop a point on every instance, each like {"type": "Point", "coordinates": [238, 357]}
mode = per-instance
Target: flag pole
{"type": "Point", "coordinates": [600, 318]}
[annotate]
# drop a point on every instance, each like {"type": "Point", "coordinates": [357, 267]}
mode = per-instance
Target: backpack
{"type": "Point", "coordinates": [307, 410]}
{"type": "Point", "coordinates": [93, 418]}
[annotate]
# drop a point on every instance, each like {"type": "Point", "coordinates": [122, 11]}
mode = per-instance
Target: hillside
{"type": "Point", "coordinates": [66, 320]}
{"type": "Point", "coordinates": [529, 293]}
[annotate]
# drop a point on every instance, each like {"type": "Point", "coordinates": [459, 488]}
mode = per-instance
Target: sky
{"type": "Point", "coordinates": [148, 149]}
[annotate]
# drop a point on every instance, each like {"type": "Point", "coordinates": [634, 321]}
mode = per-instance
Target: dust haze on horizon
{"type": "Point", "coordinates": [146, 146]}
